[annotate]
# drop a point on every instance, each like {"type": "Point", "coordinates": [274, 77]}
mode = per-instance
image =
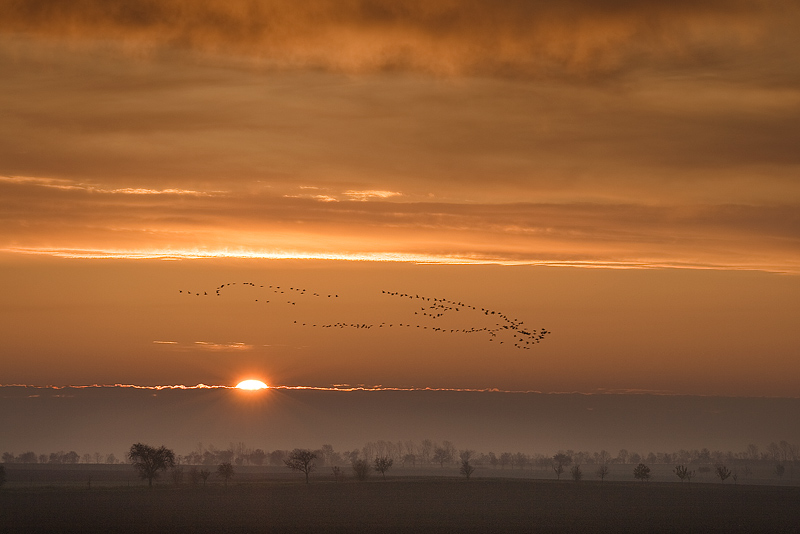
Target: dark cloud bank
{"type": "Point", "coordinates": [511, 37]}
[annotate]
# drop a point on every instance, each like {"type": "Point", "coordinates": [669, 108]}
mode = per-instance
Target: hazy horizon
{"type": "Point", "coordinates": [111, 419]}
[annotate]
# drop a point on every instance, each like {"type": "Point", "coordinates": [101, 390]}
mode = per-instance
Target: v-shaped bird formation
{"type": "Point", "coordinates": [429, 314]}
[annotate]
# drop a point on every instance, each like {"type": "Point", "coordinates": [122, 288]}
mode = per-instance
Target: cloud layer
{"type": "Point", "coordinates": [508, 37]}
{"type": "Point", "coordinates": [609, 132]}
{"type": "Point", "coordinates": [38, 215]}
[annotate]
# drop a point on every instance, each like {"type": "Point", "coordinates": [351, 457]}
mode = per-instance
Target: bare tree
{"type": "Point", "coordinates": [301, 460]}
{"type": "Point", "coordinates": [225, 470]}
{"type": "Point", "coordinates": [576, 473]}
{"type": "Point", "coordinates": [560, 460]}
{"type": "Point", "coordinates": [442, 455]}
{"type": "Point", "coordinates": [425, 450]}
{"type": "Point", "coordinates": [683, 473]}
{"type": "Point", "coordinates": [641, 472]}
{"type": "Point", "coordinates": [602, 457]}
{"type": "Point", "coordinates": [382, 464]}
{"type": "Point", "coordinates": [361, 469]}
{"type": "Point", "coordinates": [602, 472]}
{"type": "Point", "coordinates": [722, 472]}
{"type": "Point", "coordinates": [466, 469]}
{"type": "Point", "coordinates": [148, 461]}
{"type": "Point", "coordinates": [204, 474]}
{"type": "Point", "coordinates": [558, 469]}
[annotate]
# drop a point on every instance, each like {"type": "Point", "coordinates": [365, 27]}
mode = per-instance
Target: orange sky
{"type": "Point", "coordinates": [498, 137]}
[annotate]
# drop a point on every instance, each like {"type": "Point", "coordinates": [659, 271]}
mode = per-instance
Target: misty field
{"type": "Point", "coordinates": [403, 504]}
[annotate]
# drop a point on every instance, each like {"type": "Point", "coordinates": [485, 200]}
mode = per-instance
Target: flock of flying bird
{"type": "Point", "coordinates": [430, 308]}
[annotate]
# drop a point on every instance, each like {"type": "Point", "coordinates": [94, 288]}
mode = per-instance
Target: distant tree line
{"type": "Point", "coordinates": [59, 457]}
{"type": "Point", "coordinates": [428, 453]}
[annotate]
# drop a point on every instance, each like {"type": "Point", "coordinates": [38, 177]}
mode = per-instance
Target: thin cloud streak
{"type": "Point", "coordinates": [120, 386]}
{"type": "Point", "coordinates": [222, 347]}
{"type": "Point", "coordinates": [70, 185]}
{"type": "Point", "coordinates": [75, 222]}
{"type": "Point", "coordinates": [388, 257]}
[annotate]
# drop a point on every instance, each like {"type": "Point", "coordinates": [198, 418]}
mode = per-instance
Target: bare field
{"type": "Point", "coordinates": [404, 504]}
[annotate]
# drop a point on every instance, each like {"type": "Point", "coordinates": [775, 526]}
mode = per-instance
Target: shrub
{"type": "Point", "coordinates": [641, 472]}
{"type": "Point", "coordinates": [361, 469]}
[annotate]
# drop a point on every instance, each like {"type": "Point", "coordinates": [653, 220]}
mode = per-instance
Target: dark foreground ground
{"type": "Point", "coordinates": [406, 505]}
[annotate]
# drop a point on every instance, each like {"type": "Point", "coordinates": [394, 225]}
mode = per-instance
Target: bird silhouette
{"type": "Point", "coordinates": [431, 309]}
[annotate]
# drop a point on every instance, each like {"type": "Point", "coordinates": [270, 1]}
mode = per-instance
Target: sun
{"type": "Point", "coordinates": [251, 384]}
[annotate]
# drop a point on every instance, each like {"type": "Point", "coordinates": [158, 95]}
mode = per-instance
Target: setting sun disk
{"type": "Point", "coordinates": [251, 384]}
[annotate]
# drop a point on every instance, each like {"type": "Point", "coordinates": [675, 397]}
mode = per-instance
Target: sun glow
{"type": "Point", "coordinates": [251, 384]}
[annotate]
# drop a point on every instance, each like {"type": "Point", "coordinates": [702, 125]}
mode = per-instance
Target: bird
{"type": "Point", "coordinates": [437, 309]}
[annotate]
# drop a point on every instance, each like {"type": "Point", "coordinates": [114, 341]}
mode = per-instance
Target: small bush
{"type": "Point", "coordinates": [361, 469]}
{"type": "Point", "coordinates": [641, 472]}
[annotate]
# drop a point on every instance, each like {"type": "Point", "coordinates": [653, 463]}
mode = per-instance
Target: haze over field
{"type": "Point", "coordinates": [109, 420]}
{"type": "Point", "coordinates": [590, 197]}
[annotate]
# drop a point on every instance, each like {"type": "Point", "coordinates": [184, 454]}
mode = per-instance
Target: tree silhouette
{"type": "Point", "coordinates": [301, 460]}
{"type": "Point", "coordinates": [382, 464]}
{"type": "Point", "coordinates": [29, 458]}
{"type": "Point", "coordinates": [361, 469]}
{"type": "Point", "coordinates": [683, 473]}
{"type": "Point", "coordinates": [559, 461]}
{"type": "Point", "coordinates": [722, 472]}
{"type": "Point", "coordinates": [576, 473]}
{"type": "Point", "coordinates": [2, 475]}
{"type": "Point", "coordinates": [641, 472]}
{"type": "Point", "coordinates": [442, 455]}
{"type": "Point", "coordinates": [257, 457]}
{"type": "Point", "coordinates": [225, 470]}
{"type": "Point", "coordinates": [148, 461]}
{"type": "Point", "coordinates": [558, 468]}
{"type": "Point", "coordinates": [204, 474]}
{"type": "Point", "coordinates": [466, 469]}
{"type": "Point", "coordinates": [602, 472]}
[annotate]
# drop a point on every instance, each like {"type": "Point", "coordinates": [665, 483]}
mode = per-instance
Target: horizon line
{"type": "Point", "coordinates": [347, 388]}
